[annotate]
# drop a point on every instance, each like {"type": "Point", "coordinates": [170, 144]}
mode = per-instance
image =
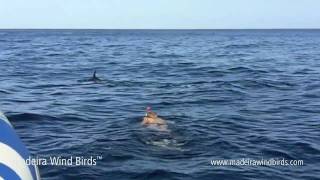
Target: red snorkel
{"type": "Point", "coordinates": [148, 109]}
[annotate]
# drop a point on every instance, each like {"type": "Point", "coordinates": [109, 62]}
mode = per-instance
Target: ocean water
{"type": "Point", "coordinates": [226, 94]}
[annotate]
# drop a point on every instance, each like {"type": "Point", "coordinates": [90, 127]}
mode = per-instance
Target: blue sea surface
{"type": "Point", "coordinates": [226, 94]}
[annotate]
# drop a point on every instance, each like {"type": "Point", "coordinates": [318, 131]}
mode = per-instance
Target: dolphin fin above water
{"type": "Point", "coordinates": [94, 77]}
{"type": "Point", "coordinates": [94, 74]}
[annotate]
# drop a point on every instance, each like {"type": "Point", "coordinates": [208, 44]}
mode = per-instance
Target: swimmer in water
{"type": "Point", "coordinates": [151, 118]}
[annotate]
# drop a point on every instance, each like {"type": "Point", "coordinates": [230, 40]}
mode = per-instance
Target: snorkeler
{"type": "Point", "coordinates": [151, 118]}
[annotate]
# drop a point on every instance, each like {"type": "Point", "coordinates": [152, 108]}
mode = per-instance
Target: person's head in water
{"type": "Point", "coordinates": [150, 114]}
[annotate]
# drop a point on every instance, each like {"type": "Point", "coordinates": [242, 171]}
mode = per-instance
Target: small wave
{"type": "Point", "coordinates": [30, 117]}
{"type": "Point", "coordinates": [152, 52]}
{"type": "Point", "coordinates": [312, 86]}
{"type": "Point", "coordinates": [103, 82]}
{"type": "Point", "coordinates": [79, 52]}
{"type": "Point", "coordinates": [41, 86]}
{"type": "Point", "coordinates": [164, 56]}
{"type": "Point", "coordinates": [217, 73]}
{"type": "Point", "coordinates": [243, 84]}
{"type": "Point", "coordinates": [240, 46]}
{"type": "Point", "coordinates": [23, 41]}
{"type": "Point", "coordinates": [56, 93]}
{"type": "Point", "coordinates": [207, 100]}
{"type": "Point", "coordinates": [24, 100]}
{"type": "Point", "coordinates": [164, 174]}
{"type": "Point", "coordinates": [303, 71]}
{"type": "Point", "coordinates": [242, 69]}
{"type": "Point", "coordinates": [115, 157]}
{"type": "Point", "coordinates": [117, 54]}
{"type": "Point", "coordinates": [53, 54]}
{"type": "Point", "coordinates": [86, 44]}
{"type": "Point", "coordinates": [220, 55]}
{"type": "Point", "coordinates": [170, 144]}
{"type": "Point", "coordinates": [312, 95]}
{"type": "Point", "coordinates": [276, 154]}
{"type": "Point", "coordinates": [305, 147]}
{"type": "Point", "coordinates": [172, 45]}
{"type": "Point", "coordinates": [4, 92]}
{"type": "Point", "coordinates": [222, 144]}
{"type": "Point", "coordinates": [115, 45]}
{"type": "Point", "coordinates": [196, 70]}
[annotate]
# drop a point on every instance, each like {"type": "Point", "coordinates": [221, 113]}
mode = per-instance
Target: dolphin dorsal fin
{"type": "Point", "coordinates": [94, 74]}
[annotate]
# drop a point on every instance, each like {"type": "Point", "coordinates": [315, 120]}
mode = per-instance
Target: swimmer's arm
{"type": "Point", "coordinates": [161, 121]}
{"type": "Point", "coordinates": [145, 121]}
